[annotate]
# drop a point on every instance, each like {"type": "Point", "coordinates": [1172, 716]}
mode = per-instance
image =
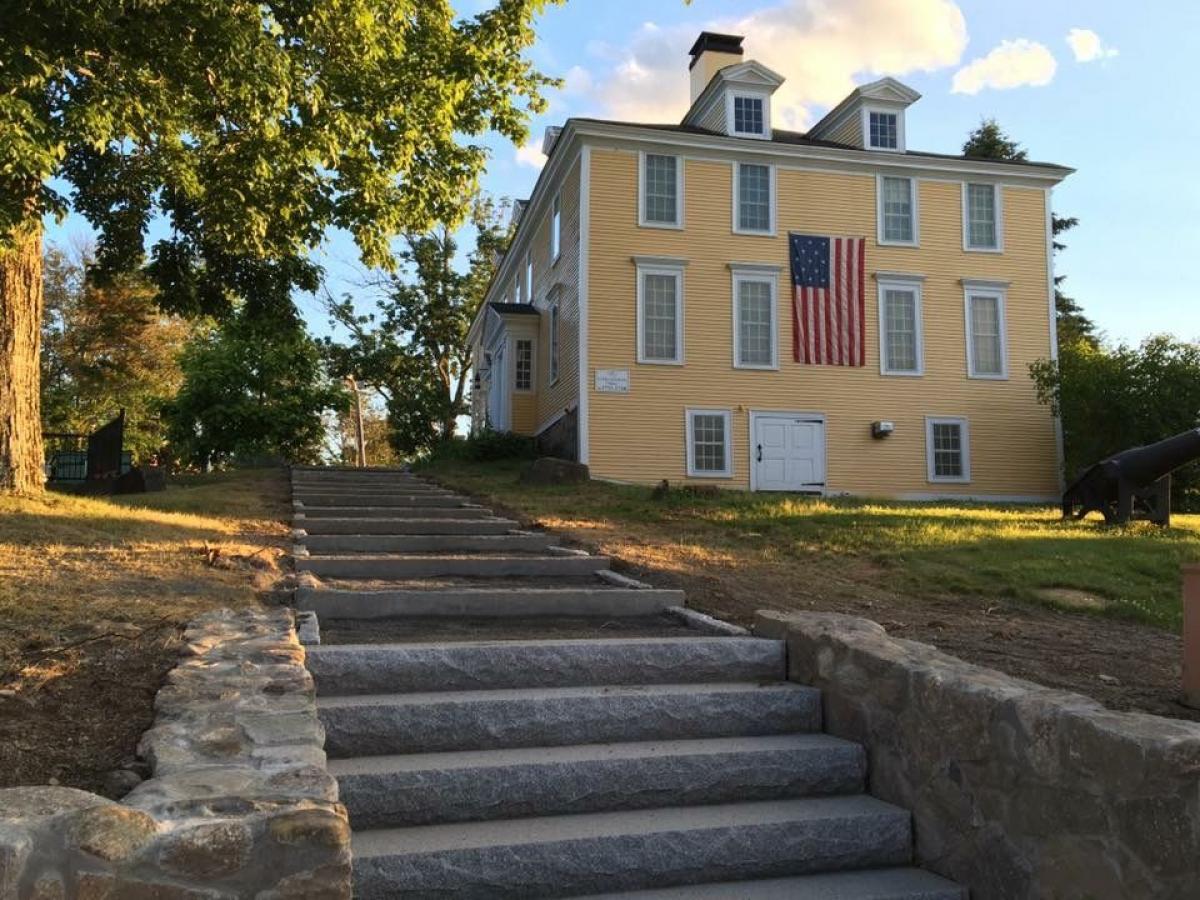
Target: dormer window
{"type": "Point", "coordinates": [883, 130]}
{"type": "Point", "coordinates": [748, 115]}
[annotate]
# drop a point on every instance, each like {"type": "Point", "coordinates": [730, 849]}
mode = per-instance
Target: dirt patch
{"type": "Point", "coordinates": [80, 711]}
{"type": "Point", "coordinates": [93, 597]}
{"type": "Point", "coordinates": [1124, 665]}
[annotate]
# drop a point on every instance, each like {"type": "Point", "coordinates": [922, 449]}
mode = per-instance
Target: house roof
{"type": "Point", "coordinates": [801, 139]}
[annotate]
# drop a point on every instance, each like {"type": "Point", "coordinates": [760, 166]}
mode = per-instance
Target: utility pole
{"type": "Point", "coordinates": [359, 439]}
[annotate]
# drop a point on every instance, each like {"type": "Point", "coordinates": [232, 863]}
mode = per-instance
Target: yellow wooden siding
{"type": "Point", "coordinates": [552, 399]}
{"type": "Point", "coordinates": [524, 412]}
{"type": "Point", "coordinates": [640, 436]}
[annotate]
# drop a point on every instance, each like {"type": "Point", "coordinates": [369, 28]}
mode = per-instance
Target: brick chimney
{"type": "Point", "coordinates": [711, 53]}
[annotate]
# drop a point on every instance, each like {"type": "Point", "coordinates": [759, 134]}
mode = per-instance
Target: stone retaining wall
{"type": "Point", "coordinates": [1017, 791]}
{"type": "Point", "coordinates": [240, 803]}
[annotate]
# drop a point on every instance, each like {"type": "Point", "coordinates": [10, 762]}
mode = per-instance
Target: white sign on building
{"type": "Point", "coordinates": [612, 381]}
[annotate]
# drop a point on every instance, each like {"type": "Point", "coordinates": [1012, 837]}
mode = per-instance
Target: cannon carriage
{"type": "Point", "coordinates": [1132, 484]}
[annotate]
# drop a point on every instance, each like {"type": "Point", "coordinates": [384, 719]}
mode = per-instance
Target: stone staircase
{"type": "Point", "coordinates": [649, 761]}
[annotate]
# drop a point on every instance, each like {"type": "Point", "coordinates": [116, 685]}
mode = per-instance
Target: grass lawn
{"type": "Point", "coordinates": [92, 596]}
{"type": "Point", "coordinates": [1000, 553]}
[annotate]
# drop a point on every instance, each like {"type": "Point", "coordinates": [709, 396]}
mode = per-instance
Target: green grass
{"type": "Point", "coordinates": [1010, 553]}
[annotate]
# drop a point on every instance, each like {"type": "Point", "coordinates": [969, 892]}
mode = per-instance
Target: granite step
{"type": "Point", "coordinates": [526, 542]}
{"type": "Point", "coordinates": [307, 513]}
{"type": "Point", "coordinates": [379, 498]}
{"type": "Point", "coordinates": [379, 724]}
{"type": "Point", "coordinates": [557, 856]}
{"type": "Point", "coordinates": [481, 665]}
{"type": "Point", "coordinates": [870, 884]}
{"type": "Point", "coordinates": [429, 565]}
{"type": "Point", "coordinates": [488, 602]}
{"type": "Point", "coordinates": [353, 529]}
{"type": "Point", "coordinates": [433, 788]}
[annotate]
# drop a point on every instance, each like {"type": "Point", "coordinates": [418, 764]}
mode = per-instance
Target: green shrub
{"type": "Point", "coordinates": [487, 446]}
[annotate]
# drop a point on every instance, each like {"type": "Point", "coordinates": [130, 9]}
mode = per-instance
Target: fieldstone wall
{"type": "Point", "coordinates": [240, 804]}
{"type": "Point", "coordinates": [1017, 791]}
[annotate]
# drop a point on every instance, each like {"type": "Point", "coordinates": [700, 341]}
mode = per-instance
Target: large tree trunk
{"type": "Point", "coordinates": [21, 460]}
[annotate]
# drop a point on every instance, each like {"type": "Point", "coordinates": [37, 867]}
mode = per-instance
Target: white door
{"type": "Point", "coordinates": [498, 398]}
{"type": "Point", "coordinates": [788, 452]}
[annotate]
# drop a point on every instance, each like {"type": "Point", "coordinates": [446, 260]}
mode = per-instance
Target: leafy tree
{"type": "Point", "coordinates": [104, 348]}
{"type": "Point", "coordinates": [251, 128]}
{"type": "Point", "coordinates": [253, 386]}
{"type": "Point", "coordinates": [413, 348]}
{"type": "Point", "coordinates": [1113, 399]}
{"type": "Point", "coordinates": [376, 435]}
{"type": "Point", "coordinates": [989, 141]}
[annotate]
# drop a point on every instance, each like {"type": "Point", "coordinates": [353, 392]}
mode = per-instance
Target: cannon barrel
{"type": "Point", "coordinates": [1143, 465]}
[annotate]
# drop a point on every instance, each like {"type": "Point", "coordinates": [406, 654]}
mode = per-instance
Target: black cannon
{"type": "Point", "coordinates": [1134, 483]}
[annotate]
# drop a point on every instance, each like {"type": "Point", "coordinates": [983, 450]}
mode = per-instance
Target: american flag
{"type": "Point", "coordinates": [828, 304]}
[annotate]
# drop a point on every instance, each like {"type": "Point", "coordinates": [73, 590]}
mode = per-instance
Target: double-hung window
{"type": "Point", "coordinates": [659, 311]}
{"type": "Point", "coordinates": [523, 370]}
{"type": "Point", "coordinates": [897, 210]}
{"type": "Point", "coordinates": [986, 351]}
{"type": "Point", "coordinates": [749, 115]}
{"type": "Point", "coordinates": [662, 191]}
{"type": "Point", "coordinates": [753, 199]}
{"type": "Point", "coordinates": [554, 342]}
{"type": "Point", "coordinates": [755, 317]}
{"type": "Point", "coordinates": [883, 130]}
{"type": "Point", "coordinates": [947, 449]}
{"type": "Point", "coordinates": [709, 450]}
{"type": "Point", "coordinates": [981, 217]}
{"type": "Point", "coordinates": [556, 229]}
{"type": "Point", "coordinates": [900, 339]}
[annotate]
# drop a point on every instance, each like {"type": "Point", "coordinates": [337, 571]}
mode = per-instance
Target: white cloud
{"type": "Point", "coordinates": [531, 154]}
{"type": "Point", "coordinates": [578, 80]}
{"type": "Point", "coordinates": [821, 47]}
{"type": "Point", "coordinates": [1010, 64]}
{"type": "Point", "coordinates": [1087, 45]}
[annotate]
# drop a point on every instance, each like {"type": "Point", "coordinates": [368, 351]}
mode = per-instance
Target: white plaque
{"type": "Point", "coordinates": [612, 381]}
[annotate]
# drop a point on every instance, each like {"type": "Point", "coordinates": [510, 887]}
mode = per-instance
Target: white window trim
{"type": "Point", "coordinates": [765, 97]}
{"type": "Point", "coordinates": [754, 272]}
{"type": "Point", "coordinates": [915, 193]}
{"type": "Point", "coordinates": [677, 225]}
{"type": "Point", "coordinates": [773, 204]}
{"type": "Point", "coordinates": [555, 229]}
{"type": "Point", "coordinates": [649, 265]}
{"type": "Point", "coordinates": [532, 365]}
{"type": "Point", "coordinates": [997, 195]}
{"type": "Point", "coordinates": [902, 283]}
{"type": "Point", "coordinates": [528, 287]}
{"type": "Point", "coordinates": [965, 433]}
{"type": "Point", "coordinates": [691, 449]}
{"type": "Point", "coordinates": [866, 128]}
{"type": "Point", "coordinates": [986, 289]}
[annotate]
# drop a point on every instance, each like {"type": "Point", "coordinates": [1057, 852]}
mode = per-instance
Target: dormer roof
{"type": "Point", "coordinates": [843, 123]}
{"type": "Point", "coordinates": [712, 108]}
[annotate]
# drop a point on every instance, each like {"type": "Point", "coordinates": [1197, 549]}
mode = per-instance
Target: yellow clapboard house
{"type": "Point", "coordinates": [645, 320]}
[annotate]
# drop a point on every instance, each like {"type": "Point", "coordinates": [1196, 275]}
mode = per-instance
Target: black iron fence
{"type": "Point", "coordinates": [87, 457]}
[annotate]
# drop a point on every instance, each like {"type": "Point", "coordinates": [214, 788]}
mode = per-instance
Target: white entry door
{"type": "Point", "coordinates": [787, 452]}
{"type": "Point", "coordinates": [498, 391]}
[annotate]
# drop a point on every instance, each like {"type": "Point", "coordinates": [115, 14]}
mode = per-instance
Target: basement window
{"type": "Point", "coordinates": [709, 453]}
{"type": "Point", "coordinates": [948, 449]}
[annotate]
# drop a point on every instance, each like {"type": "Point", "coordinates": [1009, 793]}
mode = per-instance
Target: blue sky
{"type": "Point", "coordinates": [1104, 102]}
